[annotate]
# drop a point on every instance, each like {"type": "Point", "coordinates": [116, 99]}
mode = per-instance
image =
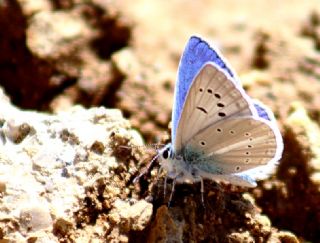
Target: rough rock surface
{"type": "Point", "coordinates": [68, 176]}
{"type": "Point", "coordinates": [59, 175]}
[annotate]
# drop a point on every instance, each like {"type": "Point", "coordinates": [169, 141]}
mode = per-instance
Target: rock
{"type": "Point", "coordinates": [50, 34]}
{"type": "Point", "coordinates": [47, 170]}
{"type": "Point", "coordinates": [166, 227]}
{"type": "Point", "coordinates": [131, 217]}
{"type": "Point", "coordinates": [32, 7]}
{"type": "Point", "coordinates": [35, 217]}
{"type": "Point", "coordinates": [307, 134]}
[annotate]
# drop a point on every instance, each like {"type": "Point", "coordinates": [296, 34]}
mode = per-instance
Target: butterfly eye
{"type": "Point", "coordinates": [166, 154]}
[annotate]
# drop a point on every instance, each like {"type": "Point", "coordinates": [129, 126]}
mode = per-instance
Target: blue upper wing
{"type": "Point", "coordinates": [263, 111]}
{"type": "Point", "coordinates": [197, 52]}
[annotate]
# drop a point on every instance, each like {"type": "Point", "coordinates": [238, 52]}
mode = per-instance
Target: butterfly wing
{"type": "Point", "coordinates": [210, 110]}
{"type": "Point", "coordinates": [234, 137]}
{"type": "Point", "coordinates": [262, 172]}
{"type": "Point", "coordinates": [237, 144]}
{"type": "Point", "coordinates": [263, 111]}
{"type": "Point", "coordinates": [197, 52]}
{"type": "Point", "coordinates": [212, 97]}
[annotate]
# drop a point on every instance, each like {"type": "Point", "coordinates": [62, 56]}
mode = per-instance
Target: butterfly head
{"type": "Point", "coordinates": [166, 157]}
{"type": "Point", "coordinates": [175, 165]}
{"type": "Point", "coordinates": [166, 152]}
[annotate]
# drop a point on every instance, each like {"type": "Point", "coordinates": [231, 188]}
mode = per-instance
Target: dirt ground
{"type": "Point", "coordinates": [120, 54]}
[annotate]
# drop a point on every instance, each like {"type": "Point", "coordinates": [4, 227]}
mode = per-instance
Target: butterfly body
{"type": "Point", "coordinates": [189, 166]}
{"type": "Point", "coordinates": [218, 131]}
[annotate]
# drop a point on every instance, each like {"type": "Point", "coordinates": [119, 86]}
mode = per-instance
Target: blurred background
{"type": "Point", "coordinates": [124, 54]}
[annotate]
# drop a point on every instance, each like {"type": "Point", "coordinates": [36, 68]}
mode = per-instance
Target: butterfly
{"type": "Point", "coordinates": [218, 131]}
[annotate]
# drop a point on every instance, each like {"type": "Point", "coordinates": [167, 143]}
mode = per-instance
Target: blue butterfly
{"type": "Point", "coordinates": [218, 131]}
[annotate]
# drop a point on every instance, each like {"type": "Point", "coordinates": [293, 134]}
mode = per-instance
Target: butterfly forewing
{"type": "Point", "coordinates": [197, 52]}
{"type": "Point", "coordinates": [211, 98]}
{"type": "Point", "coordinates": [237, 144]}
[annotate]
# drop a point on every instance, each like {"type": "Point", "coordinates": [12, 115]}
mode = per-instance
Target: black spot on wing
{"type": "Point", "coordinates": [202, 109]}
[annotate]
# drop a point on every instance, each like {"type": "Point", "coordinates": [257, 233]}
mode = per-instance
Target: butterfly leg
{"type": "Point", "coordinates": [172, 191]}
{"type": "Point", "coordinates": [165, 187]}
{"type": "Point", "coordinates": [199, 178]}
{"type": "Point", "coordinates": [160, 170]}
{"type": "Point", "coordinates": [202, 191]}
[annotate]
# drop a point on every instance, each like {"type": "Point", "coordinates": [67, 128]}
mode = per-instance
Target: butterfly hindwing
{"type": "Point", "coordinates": [237, 144]}
{"type": "Point", "coordinates": [263, 111]}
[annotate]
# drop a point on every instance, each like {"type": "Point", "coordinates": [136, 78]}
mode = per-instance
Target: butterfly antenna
{"type": "Point", "coordinates": [146, 169]}
{"type": "Point", "coordinates": [123, 146]}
